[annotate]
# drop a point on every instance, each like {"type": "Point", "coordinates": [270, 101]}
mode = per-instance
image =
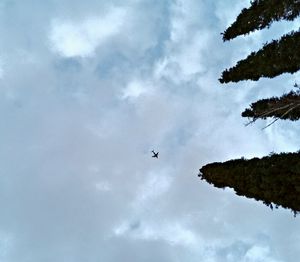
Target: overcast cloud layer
{"type": "Point", "coordinates": [87, 90]}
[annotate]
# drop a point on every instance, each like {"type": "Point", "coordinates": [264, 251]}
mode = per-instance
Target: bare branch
{"type": "Point", "coordinates": [268, 112]}
{"type": "Point", "coordinates": [281, 116]}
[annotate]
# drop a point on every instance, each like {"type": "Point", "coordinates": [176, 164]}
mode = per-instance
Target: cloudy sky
{"type": "Point", "coordinates": [87, 90]}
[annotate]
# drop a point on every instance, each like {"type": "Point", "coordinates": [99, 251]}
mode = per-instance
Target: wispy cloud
{"type": "Point", "coordinates": [88, 89]}
{"type": "Point", "coordinates": [81, 38]}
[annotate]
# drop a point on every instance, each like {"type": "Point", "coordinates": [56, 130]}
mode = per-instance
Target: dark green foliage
{"type": "Point", "coordinates": [271, 179]}
{"type": "Point", "coordinates": [274, 179]}
{"type": "Point", "coordinates": [284, 107]}
{"type": "Point", "coordinates": [261, 14]}
{"type": "Point", "coordinates": [275, 58]}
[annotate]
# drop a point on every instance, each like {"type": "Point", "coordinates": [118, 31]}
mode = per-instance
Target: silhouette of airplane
{"type": "Point", "coordinates": [295, 85]}
{"type": "Point", "coordinates": [155, 154]}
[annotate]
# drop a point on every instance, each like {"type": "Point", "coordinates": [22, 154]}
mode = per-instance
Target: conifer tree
{"type": "Point", "coordinates": [261, 14]}
{"type": "Point", "coordinates": [275, 58]}
{"type": "Point", "coordinates": [275, 178]}
{"type": "Point", "coordinates": [285, 107]}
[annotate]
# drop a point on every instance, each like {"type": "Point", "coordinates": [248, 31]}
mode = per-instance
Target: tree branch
{"type": "Point", "coordinates": [281, 116]}
{"type": "Point", "coordinates": [268, 112]}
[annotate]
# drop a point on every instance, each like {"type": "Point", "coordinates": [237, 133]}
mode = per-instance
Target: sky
{"type": "Point", "coordinates": [88, 89]}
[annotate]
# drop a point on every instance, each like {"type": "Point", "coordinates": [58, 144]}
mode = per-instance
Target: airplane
{"type": "Point", "coordinates": [155, 154]}
{"type": "Point", "coordinates": [295, 85]}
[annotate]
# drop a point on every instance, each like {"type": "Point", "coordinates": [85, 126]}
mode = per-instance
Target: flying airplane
{"type": "Point", "coordinates": [155, 154]}
{"type": "Point", "coordinates": [295, 85]}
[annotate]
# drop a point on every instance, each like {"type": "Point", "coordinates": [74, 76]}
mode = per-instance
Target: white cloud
{"type": "Point", "coordinates": [186, 47]}
{"type": "Point", "coordinates": [173, 233]}
{"type": "Point", "coordinates": [82, 146]}
{"type": "Point", "coordinates": [226, 12]}
{"type": "Point", "coordinates": [187, 59]}
{"type": "Point", "coordinates": [155, 185]}
{"type": "Point", "coordinates": [6, 243]}
{"type": "Point", "coordinates": [71, 39]}
{"type": "Point", "coordinates": [134, 89]}
{"type": "Point", "coordinates": [1, 68]}
{"type": "Point", "coordinates": [103, 186]}
{"type": "Point", "coordinates": [259, 254]}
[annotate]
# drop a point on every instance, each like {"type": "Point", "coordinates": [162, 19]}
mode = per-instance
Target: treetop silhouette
{"type": "Point", "coordinates": [274, 179]}
{"type": "Point", "coordinates": [275, 58]}
{"type": "Point", "coordinates": [261, 14]}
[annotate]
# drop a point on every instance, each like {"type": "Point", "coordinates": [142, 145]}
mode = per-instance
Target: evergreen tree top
{"type": "Point", "coordinates": [261, 14]}
{"type": "Point", "coordinates": [271, 179]}
{"type": "Point", "coordinates": [285, 107]}
{"type": "Point", "coordinates": [275, 58]}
